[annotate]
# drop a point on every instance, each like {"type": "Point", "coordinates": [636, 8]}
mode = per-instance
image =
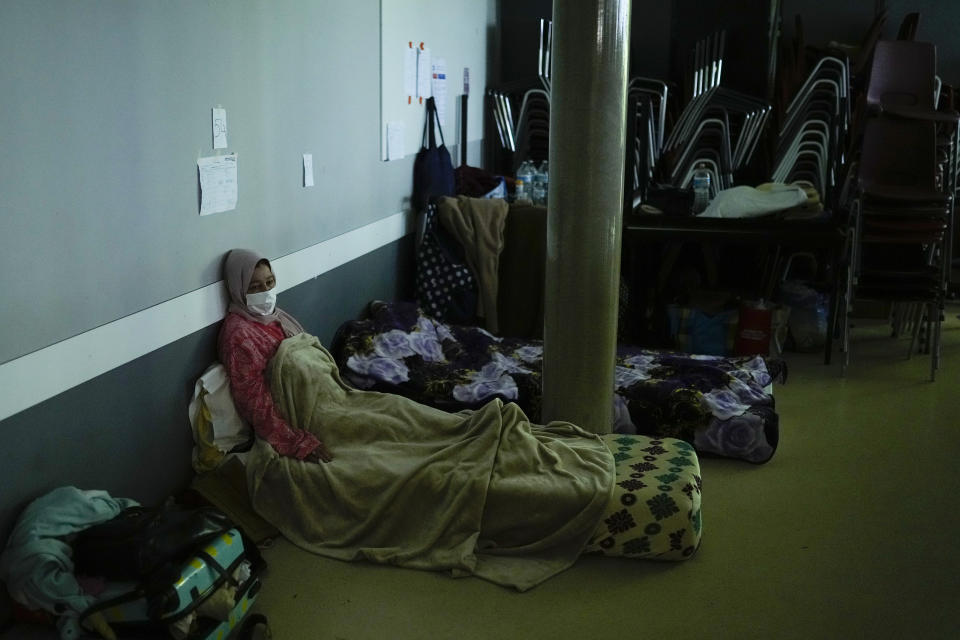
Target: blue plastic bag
{"type": "Point", "coordinates": [697, 332]}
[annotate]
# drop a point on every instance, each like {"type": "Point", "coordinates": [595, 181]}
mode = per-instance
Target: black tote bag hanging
{"type": "Point", "coordinates": [432, 168]}
{"type": "Point", "coordinates": [446, 288]}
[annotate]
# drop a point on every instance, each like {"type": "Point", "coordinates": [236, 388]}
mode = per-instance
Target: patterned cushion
{"type": "Point", "coordinates": [722, 406]}
{"type": "Point", "coordinates": [654, 510]}
{"type": "Point", "coordinates": [446, 287]}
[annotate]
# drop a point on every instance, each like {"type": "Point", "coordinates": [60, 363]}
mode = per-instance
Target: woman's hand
{"type": "Point", "coordinates": [320, 454]}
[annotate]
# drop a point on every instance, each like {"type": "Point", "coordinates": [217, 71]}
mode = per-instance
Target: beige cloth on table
{"type": "Point", "coordinates": [478, 223]}
{"type": "Point", "coordinates": [482, 493]}
{"type": "Point", "coordinates": [747, 202]}
{"type": "Point", "coordinates": [812, 207]}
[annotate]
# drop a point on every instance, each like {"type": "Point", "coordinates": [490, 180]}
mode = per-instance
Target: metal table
{"type": "Point", "coordinates": [640, 228]}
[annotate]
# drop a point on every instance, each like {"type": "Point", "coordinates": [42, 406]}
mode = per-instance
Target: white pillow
{"type": "Point", "coordinates": [217, 428]}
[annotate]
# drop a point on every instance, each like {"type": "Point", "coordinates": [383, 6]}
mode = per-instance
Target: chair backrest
{"type": "Point", "coordinates": [903, 74]}
{"type": "Point", "coordinates": [898, 153]}
{"type": "Point", "coordinates": [636, 157]}
{"type": "Point", "coordinates": [908, 28]}
{"type": "Point", "coordinates": [869, 42]}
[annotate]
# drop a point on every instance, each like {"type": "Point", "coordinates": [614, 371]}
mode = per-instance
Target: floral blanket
{"type": "Point", "coordinates": [721, 406]}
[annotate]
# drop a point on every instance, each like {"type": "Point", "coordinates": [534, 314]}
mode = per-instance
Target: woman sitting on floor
{"type": "Point", "coordinates": [249, 337]}
{"type": "Point", "coordinates": [482, 492]}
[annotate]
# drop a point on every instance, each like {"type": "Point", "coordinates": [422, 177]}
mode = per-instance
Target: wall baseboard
{"type": "Point", "coordinates": [35, 377]}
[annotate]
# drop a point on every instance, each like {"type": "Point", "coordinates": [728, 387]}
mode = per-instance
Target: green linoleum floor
{"type": "Point", "coordinates": [848, 532]}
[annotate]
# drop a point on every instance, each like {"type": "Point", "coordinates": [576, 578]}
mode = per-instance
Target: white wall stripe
{"type": "Point", "coordinates": [37, 376]}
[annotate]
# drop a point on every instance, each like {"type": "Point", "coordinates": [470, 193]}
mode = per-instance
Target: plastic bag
{"type": "Point", "coordinates": [695, 331]}
{"type": "Point", "coordinates": [809, 313]}
{"type": "Point", "coordinates": [217, 428]}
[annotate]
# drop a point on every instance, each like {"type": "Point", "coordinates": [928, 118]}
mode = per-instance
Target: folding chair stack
{"type": "Point", "coordinates": [503, 118]}
{"type": "Point", "coordinates": [646, 125]}
{"type": "Point", "coordinates": [719, 128]}
{"type": "Point", "coordinates": [707, 61]}
{"type": "Point", "coordinates": [814, 128]}
{"type": "Point", "coordinates": [902, 214]}
{"type": "Point", "coordinates": [526, 136]}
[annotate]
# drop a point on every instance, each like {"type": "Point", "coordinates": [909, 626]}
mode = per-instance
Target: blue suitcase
{"type": "Point", "coordinates": [144, 610]}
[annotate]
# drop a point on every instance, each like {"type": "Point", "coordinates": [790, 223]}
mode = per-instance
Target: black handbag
{"type": "Point", "coordinates": [432, 169]}
{"type": "Point", "coordinates": [140, 541]}
{"type": "Point", "coordinates": [446, 287]}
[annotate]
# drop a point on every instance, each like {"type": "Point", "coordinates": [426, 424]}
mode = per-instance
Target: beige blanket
{"type": "Point", "coordinates": [481, 493]}
{"type": "Point", "coordinates": [478, 224]}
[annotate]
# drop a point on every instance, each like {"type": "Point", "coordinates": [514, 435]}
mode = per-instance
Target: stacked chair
{"type": "Point", "coordinates": [707, 63]}
{"type": "Point", "coordinates": [719, 128]}
{"type": "Point", "coordinates": [902, 210]}
{"type": "Point", "coordinates": [646, 125]}
{"type": "Point", "coordinates": [533, 127]}
{"type": "Point", "coordinates": [527, 135]}
{"type": "Point", "coordinates": [908, 28]}
{"type": "Point", "coordinates": [810, 146]}
{"type": "Point", "coordinates": [503, 119]}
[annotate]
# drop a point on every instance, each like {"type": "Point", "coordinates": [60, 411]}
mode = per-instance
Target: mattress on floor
{"type": "Point", "coordinates": [722, 406]}
{"type": "Point", "coordinates": [654, 510]}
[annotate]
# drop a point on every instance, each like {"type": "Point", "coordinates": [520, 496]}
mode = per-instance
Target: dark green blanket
{"type": "Point", "coordinates": [482, 492]}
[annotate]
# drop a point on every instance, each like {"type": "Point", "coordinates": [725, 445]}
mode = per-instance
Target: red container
{"type": "Point", "coordinates": [753, 330]}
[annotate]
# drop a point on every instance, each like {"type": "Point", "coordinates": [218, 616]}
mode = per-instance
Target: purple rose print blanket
{"type": "Point", "coordinates": [721, 406]}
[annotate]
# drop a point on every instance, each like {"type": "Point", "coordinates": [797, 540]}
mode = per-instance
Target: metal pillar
{"type": "Point", "coordinates": [588, 98]}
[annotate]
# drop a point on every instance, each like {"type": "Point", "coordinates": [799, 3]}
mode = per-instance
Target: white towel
{"type": "Point", "coordinates": [747, 202]}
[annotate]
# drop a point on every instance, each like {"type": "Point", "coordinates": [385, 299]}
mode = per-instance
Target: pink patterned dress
{"type": "Point", "coordinates": [245, 349]}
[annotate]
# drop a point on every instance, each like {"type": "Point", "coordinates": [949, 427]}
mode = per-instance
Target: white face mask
{"type": "Point", "coordinates": [262, 303]}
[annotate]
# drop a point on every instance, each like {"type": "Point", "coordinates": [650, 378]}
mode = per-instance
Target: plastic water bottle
{"type": "Point", "coordinates": [525, 174]}
{"type": "Point", "coordinates": [701, 189]}
{"type": "Point", "coordinates": [538, 196]}
{"type": "Point", "coordinates": [519, 191]}
{"type": "Point", "coordinates": [541, 183]}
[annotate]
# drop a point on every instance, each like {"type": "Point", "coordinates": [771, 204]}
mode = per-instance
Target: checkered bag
{"type": "Point", "coordinates": [446, 288]}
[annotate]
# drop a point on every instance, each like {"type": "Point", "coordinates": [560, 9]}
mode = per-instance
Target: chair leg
{"type": "Point", "coordinates": [845, 337]}
{"type": "Point", "coordinates": [896, 319]}
{"type": "Point", "coordinates": [916, 320]}
{"type": "Point", "coordinates": [846, 308]}
{"type": "Point", "coordinates": [935, 347]}
{"type": "Point", "coordinates": [938, 338]}
{"type": "Point", "coordinates": [837, 298]}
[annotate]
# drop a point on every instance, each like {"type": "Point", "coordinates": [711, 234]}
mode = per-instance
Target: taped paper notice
{"type": "Point", "coordinates": [424, 74]}
{"type": "Point", "coordinates": [409, 72]}
{"type": "Point", "coordinates": [218, 183]}
{"type": "Point", "coordinates": [219, 117]}
{"type": "Point", "coordinates": [439, 87]}
{"type": "Point", "coordinates": [395, 135]}
{"type": "Point", "coordinates": [308, 170]}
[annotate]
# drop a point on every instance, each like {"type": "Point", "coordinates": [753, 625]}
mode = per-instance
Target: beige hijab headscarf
{"type": "Point", "coordinates": [237, 271]}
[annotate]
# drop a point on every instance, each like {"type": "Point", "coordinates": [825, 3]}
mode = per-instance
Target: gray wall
{"type": "Point", "coordinates": [104, 108]}
{"type": "Point", "coordinates": [939, 24]}
{"type": "Point", "coordinates": [127, 431]}
{"type": "Point", "coordinates": [847, 21]}
{"type": "Point", "coordinates": [843, 21]}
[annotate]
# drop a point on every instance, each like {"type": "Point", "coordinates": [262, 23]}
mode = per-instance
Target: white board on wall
{"type": "Point", "coordinates": [454, 31]}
